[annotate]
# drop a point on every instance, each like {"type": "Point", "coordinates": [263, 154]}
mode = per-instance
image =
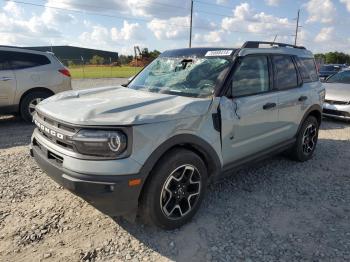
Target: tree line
{"type": "Point", "coordinates": [333, 58]}
{"type": "Point", "coordinates": [122, 59]}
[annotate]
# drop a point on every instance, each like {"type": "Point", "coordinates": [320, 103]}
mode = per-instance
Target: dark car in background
{"type": "Point", "coordinates": [330, 69]}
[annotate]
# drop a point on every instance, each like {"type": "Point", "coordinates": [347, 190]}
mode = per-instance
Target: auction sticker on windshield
{"type": "Point", "coordinates": [219, 53]}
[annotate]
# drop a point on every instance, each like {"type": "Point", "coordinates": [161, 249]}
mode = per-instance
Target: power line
{"type": "Point", "coordinates": [121, 17]}
{"type": "Point", "coordinates": [212, 4]}
{"type": "Point", "coordinates": [136, 19]}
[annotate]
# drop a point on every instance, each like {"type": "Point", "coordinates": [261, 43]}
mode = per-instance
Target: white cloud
{"type": "Point", "coordinates": [13, 9]}
{"type": "Point", "coordinates": [326, 34]}
{"type": "Point", "coordinates": [347, 3]}
{"type": "Point", "coordinates": [19, 31]}
{"type": "Point", "coordinates": [210, 38]}
{"type": "Point", "coordinates": [141, 8]}
{"type": "Point", "coordinates": [127, 32]}
{"type": "Point", "coordinates": [272, 2]}
{"type": "Point", "coordinates": [222, 2]}
{"type": "Point", "coordinates": [172, 28]}
{"type": "Point", "coordinates": [160, 9]}
{"type": "Point", "coordinates": [111, 38]}
{"type": "Point", "coordinates": [322, 11]}
{"type": "Point", "coordinates": [178, 27]}
{"type": "Point", "coordinates": [246, 19]}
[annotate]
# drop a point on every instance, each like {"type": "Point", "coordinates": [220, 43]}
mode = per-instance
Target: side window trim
{"type": "Point", "coordinates": [6, 63]}
{"type": "Point", "coordinates": [236, 66]}
{"type": "Point", "coordinates": [299, 77]}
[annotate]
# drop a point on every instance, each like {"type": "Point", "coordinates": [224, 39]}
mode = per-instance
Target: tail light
{"type": "Point", "coordinates": [65, 71]}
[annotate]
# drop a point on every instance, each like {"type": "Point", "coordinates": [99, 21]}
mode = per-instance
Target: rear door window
{"type": "Point", "coordinates": [286, 76]}
{"type": "Point", "coordinates": [307, 69]}
{"type": "Point", "coordinates": [4, 64]}
{"type": "Point", "coordinates": [19, 60]}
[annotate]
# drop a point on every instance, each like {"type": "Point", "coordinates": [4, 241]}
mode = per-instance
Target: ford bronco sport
{"type": "Point", "coordinates": [188, 118]}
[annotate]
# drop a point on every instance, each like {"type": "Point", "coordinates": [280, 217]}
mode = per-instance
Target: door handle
{"type": "Point", "coordinates": [269, 106]}
{"type": "Point", "coordinates": [302, 98]}
{"type": "Point", "coordinates": [6, 78]}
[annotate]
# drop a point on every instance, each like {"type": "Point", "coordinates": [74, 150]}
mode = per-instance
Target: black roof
{"type": "Point", "coordinates": [196, 51]}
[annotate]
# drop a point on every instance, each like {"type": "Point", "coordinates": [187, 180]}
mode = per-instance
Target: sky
{"type": "Point", "coordinates": [118, 25]}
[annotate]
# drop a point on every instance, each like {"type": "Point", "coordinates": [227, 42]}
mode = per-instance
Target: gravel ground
{"type": "Point", "coordinates": [278, 210]}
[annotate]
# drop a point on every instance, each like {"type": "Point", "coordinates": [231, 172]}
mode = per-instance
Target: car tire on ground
{"type": "Point", "coordinates": [306, 142]}
{"type": "Point", "coordinates": [28, 103]}
{"type": "Point", "coordinates": [175, 189]}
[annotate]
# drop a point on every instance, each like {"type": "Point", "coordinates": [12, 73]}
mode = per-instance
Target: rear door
{"type": "Point", "coordinates": [249, 118]}
{"type": "Point", "coordinates": [7, 81]}
{"type": "Point", "coordinates": [293, 95]}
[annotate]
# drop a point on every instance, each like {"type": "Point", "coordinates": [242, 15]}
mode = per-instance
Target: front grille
{"type": "Point", "coordinates": [336, 102]}
{"type": "Point", "coordinates": [336, 112]}
{"type": "Point", "coordinates": [50, 155]}
{"type": "Point", "coordinates": [51, 130]}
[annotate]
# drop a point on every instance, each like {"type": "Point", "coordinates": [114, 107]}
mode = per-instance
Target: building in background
{"type": "Point", "coordinates": [78, 55]}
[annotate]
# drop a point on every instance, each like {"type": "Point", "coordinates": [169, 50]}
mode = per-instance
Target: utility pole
{"type": "Point", "coordinates": [190, 44]}
{"type": "Point", "coordinates": [297, 29]}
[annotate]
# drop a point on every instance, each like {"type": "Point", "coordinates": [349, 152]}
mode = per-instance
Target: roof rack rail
{"type": "Point", "coordinates": [256, 44]}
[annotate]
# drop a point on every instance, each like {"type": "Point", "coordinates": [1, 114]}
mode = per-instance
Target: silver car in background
{"type": "Point", "coordinates": [27, 77]}
{"type": "Point", "coordinates": [337, 103]}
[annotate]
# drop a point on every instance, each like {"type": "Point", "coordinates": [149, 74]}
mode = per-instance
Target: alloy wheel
{"type": "Point", "coordinates": [33, 104]}
{"type": "Point", "coordinates": [309, 139]}
{"type": "Point", "coordinates": [180, 192]}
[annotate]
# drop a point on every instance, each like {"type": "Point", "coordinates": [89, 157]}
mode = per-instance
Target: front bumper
{"type": "Point", "coordinates": [341, 112]}
{"type": "Point", "coordinates": [110, 194]}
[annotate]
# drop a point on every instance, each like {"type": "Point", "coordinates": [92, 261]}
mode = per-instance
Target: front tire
{"type": "Point", "coordinates": [29, 102]}
{"type": "Point", "coordinates": [175, 189]}
{"type": "Point", "coordinates": [306, 142]}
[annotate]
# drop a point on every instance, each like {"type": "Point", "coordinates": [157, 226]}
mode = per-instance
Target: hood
{"type": "Point", "coordinates": [337, 91]}
{"type": "Point", "coordinates": [120, 106]}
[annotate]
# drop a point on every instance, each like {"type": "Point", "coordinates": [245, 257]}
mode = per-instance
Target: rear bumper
{"type": "Point", "coordinates": [112, 195]}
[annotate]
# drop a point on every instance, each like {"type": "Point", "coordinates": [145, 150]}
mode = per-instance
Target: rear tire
{"type": "Point", "coordinates": [306, 142]}
{"type": "Point", "coordinates": [175, 189]}
{"type": "Point", "coordinates": [28, 103]}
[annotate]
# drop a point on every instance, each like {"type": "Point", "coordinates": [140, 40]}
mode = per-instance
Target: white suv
{"type": "Point", "coordinates": [27, 77]}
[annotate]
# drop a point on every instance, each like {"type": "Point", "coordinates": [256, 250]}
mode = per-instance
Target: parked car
{"type": "Point", "coordinates": [330, 69]}
{"type": "Point", "coordinates": [189, 118]}
{"type": "Point", "coordinates": [337, 103]}
{"type": "Point", "coordinates": [27, 77]}
{"type": "Point", "coordinates": [340, 77]}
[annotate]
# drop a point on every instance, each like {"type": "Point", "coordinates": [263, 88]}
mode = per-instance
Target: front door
{"type": "Point", "coordinates": [250, 117]}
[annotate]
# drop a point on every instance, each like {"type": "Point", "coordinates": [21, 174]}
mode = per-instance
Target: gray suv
{"type": "Point", "coordinates": [190, 117]}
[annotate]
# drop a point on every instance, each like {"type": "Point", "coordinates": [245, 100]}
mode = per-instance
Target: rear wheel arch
{"type": "Point", "coordinates": [316, 111]}
{"type": "Point", "coordinates": [35, 89]}
{"type": "Point", "coordinates": [32, 95]}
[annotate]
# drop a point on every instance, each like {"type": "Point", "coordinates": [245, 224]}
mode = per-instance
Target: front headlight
{"type": "Point", "coordinates": [100, 143]}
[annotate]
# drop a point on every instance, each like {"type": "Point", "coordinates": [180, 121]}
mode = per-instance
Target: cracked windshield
{"type": "Point", "coordinates": [194, 77]}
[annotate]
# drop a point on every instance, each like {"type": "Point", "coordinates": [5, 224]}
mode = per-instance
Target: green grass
{"type": "Point", "coordinates": [103, 71]}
